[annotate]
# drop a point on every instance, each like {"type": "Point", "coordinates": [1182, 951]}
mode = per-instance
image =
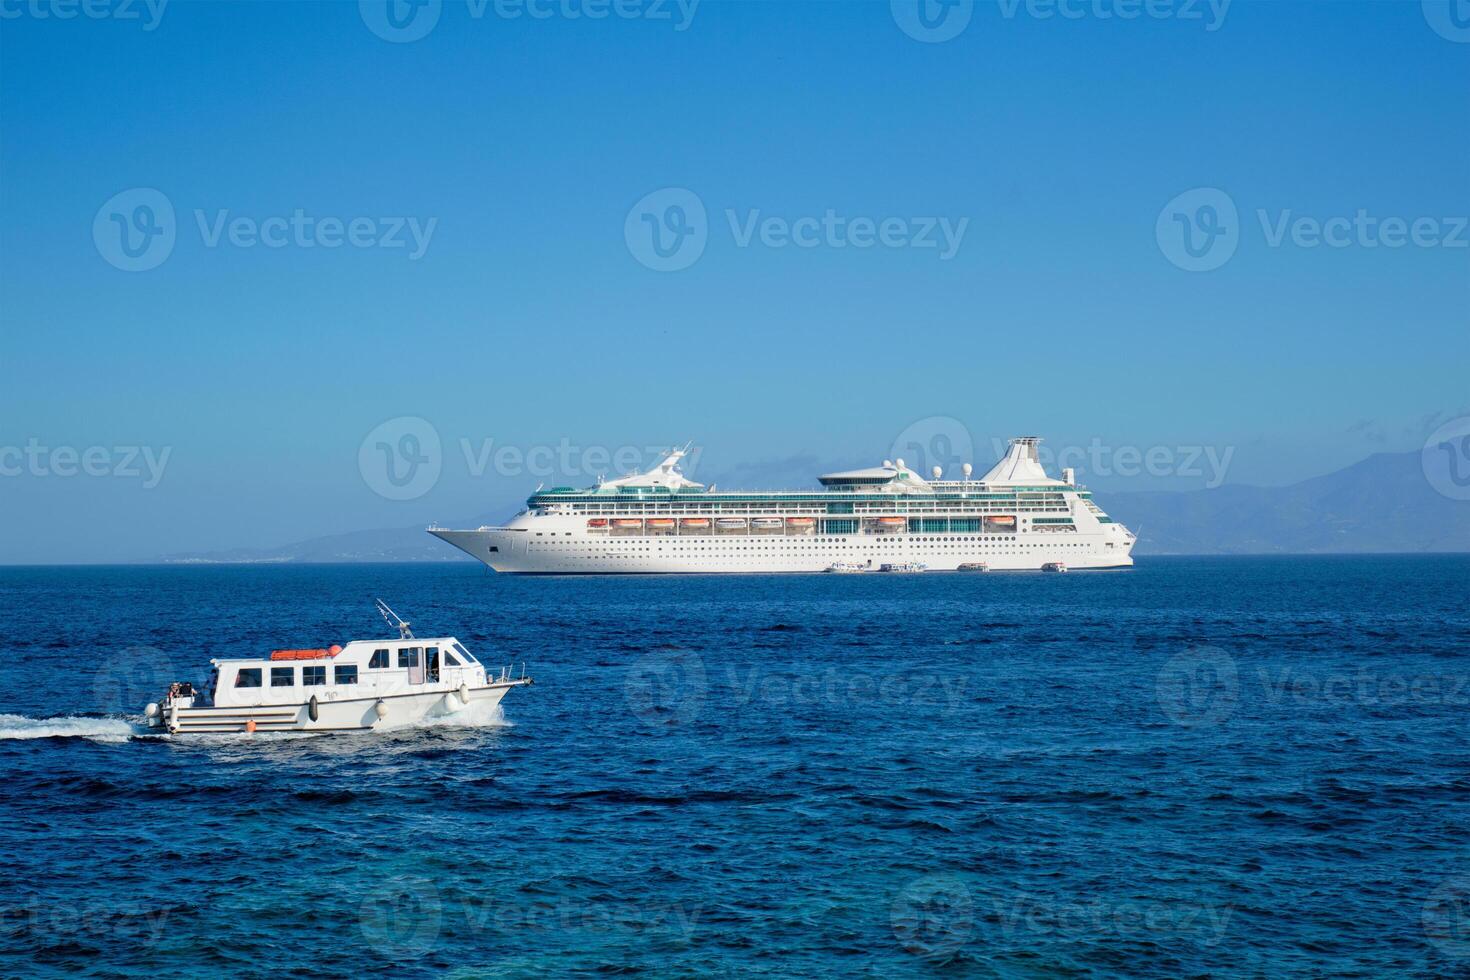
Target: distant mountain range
{"type": "Point", "coordinates": [1382, 504]}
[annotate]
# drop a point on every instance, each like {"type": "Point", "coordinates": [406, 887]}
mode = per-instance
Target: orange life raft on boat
{"type": "Point", "coordinates": [331, 651]}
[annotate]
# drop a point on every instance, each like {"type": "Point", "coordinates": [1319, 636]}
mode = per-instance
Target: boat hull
{"type": "Point", "coordinates": [337, 714]}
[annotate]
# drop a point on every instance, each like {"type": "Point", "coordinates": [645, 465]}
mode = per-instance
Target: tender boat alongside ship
{"type": "Point", "coordinates": [367, 684]}
{"type": "Point", "coordinates": [1014, 517]}
{"type": "Point", "coordinates": [846, 567]}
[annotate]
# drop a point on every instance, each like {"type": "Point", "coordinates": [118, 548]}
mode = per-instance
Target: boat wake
{"type": "Point", "coordinates": [474, 716]}
{"type": "Point", "coordinates": [99, 729]}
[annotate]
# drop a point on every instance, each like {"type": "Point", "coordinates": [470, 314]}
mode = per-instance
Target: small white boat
{"type": "Point", "coordinates": [1054, 566]}
{"type": "Point", "coordinates": [903, 566]}
{"type": "Point", "coordinates": [973, 566]}
{"type": "Point", "coordinates": [845, 567]}
{"type": "Point", "coordinates": [364, 685]}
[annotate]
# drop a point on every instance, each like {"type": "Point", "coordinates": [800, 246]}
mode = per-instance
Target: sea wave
{"type": "Point", "coordinates": [70, 726]}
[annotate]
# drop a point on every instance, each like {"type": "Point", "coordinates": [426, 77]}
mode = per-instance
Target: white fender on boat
{"type": "Point", "coordinates": [464, 693]}
{"type": "Point", "coordinates": [151, 711]}
{"type": "Point", "coordinates": [380, 709]}
{"type": "Point", "coordinates": [312, 708]}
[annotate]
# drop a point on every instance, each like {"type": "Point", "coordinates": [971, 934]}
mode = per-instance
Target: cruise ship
{"type": "Point", "coordinates": [1015, 517]}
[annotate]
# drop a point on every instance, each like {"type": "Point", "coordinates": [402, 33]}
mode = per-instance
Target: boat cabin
{"type": "Point", "coordinates": [361, 669]}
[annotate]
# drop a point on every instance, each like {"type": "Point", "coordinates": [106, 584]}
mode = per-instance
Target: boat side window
{"type": "Point", "coordinates": [464, 653]}
{"type": "Point", "coordinates": [247, 677]}
{"type": "Point", "coordinates": [408, 656]}
{"type": "Point", "coordinates": [344, 674]}
{"type": "Point", "coordinates": [380, 659]}
{"type": "Point", "coordinates": [283, 677]}
{"type": "Point", "coordinates": [313, 676]}
{"type": "Point", "coordinates": [449, 660]}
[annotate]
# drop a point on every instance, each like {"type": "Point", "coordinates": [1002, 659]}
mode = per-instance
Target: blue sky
{"type": "Point", "coordinates": [518, 146]}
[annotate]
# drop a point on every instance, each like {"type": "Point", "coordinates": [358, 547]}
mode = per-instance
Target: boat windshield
{"type": "Point", "coordinates": [459, 648]}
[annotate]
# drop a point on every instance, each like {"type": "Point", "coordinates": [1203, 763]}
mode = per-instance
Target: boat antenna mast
{"type": "Point", "coordinates": [394, 620]}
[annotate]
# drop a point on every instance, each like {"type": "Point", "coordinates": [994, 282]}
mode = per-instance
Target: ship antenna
{"type": "Point", "coordinates": [394, 620]}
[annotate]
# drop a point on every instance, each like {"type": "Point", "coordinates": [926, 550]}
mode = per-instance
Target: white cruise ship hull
{"type": "Point", "coordinates": [561, 550]}
{"type": "Point", "coordinates": [1015, 517]}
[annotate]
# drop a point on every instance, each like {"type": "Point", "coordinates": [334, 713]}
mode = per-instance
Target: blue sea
{"type": "Point", "coordinates": [1196, 767]}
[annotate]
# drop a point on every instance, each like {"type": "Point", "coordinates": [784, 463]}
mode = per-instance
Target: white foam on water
{"type": "Point", "coordinates": [100, 729]}
{"type": "Point", "coordinates": [474, 716]}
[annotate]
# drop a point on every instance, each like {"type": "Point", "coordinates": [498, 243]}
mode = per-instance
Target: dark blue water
{"type": "Point", "coordinates": [1200, 766]}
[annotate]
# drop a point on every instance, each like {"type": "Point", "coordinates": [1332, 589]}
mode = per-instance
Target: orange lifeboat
{"type": "Point", "coordinates": [891, 521]}
{"type": "Point", "coordinates": [597, 522]}
{"type": "Point", "coordinates": [330, 651]}
{"type": "Point", "coordinates": [696, 522]}
{"type": "Point", "coordinates": [660, 522]}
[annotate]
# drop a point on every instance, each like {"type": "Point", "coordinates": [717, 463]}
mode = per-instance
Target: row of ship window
{"type": "Point", "coordinates": [342, 673]}
{"type": "Point", "coordinates": [286, 676]}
